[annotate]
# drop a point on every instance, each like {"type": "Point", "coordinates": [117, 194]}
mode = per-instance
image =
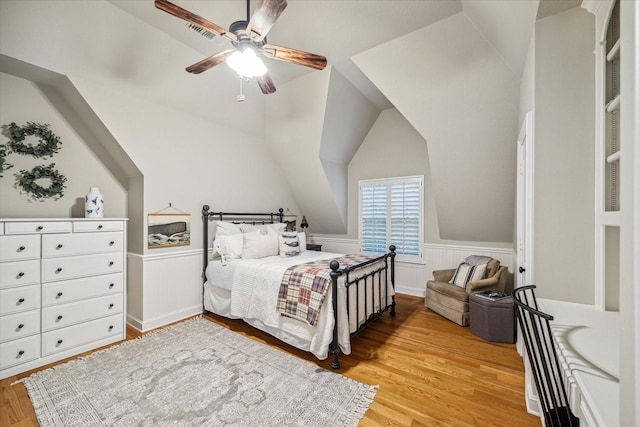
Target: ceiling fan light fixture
{"type": "Point", "coordinates": [246, 63]}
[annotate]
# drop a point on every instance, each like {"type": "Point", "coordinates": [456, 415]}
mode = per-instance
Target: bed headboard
{"type": "Point", "coordinates": [236, 217]}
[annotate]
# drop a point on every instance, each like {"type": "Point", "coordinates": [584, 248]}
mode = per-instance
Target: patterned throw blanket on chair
{"type": "Point", "coordinates": [304, 287]}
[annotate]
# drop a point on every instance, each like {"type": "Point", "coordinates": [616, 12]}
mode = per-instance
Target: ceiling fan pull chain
{"type": "Point", "coordinates": [240, 97]}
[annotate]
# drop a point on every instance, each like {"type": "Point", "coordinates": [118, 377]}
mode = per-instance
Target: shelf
{"type": "Point", "coordinates": [614, 104]}
{"type": "Point", "coordinates": [614, 157]}
{"type": "Point", "coordinates": [614, 53]}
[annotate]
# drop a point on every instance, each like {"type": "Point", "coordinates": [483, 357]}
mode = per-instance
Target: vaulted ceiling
{"type": "Point", "coordinates": [151, 50]}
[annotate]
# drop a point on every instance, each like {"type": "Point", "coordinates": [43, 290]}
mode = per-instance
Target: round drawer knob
{"type": "Point", "coordinates": [58, 270]}
{"type": "Point", "coordinates": [111, 285]}
{"type": "Point", "coordinates": [20, 326]}
{"type": "Point", "coordinates": [39, 228]}
{"type": "Point", "coordinates": [21, 352]}
{"type": "Point", "coordinates": [21, 300]}
{"type": "Point", "coordinates": [59, 341]}
{"type": "Point", "coordinates": [111, 263]}
{"type": "Point", "coordinates": [100, 227]}
{"type": "Point", "coordinates": [59, 294]}
{"type": "Point", "coordinates": [59, 317]}
{"type": "Point", "coordinates": [110, 327]}
{"type": "Point", "coordinates": [111, 305]}
{"type": "Point", "coordinates": [111, 243]}
{"type": "Point", "coordinates": [21, 274]}
{"type": "Point", "coordinates": [21, 248]}
{"type": "Point", "coordinates": [59, 246]}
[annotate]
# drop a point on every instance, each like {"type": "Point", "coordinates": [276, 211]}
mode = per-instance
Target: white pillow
{"type": "Point", "coordinates": [256, 245]}
{"type": "Point", "coordinates": [466, 273]}
{"type": "Point", "coordinates": [276, 226]}
{"type": "Point", "coordinates": [228, 247]}
{"type": "Point", "coordinates": [288, 244]}
{"type": "Point", "coordinates": [224, 228]}
{"type": "Point", "coordinates": [263, 229]}
{"type": "Point", "coordinates": [302, 240]}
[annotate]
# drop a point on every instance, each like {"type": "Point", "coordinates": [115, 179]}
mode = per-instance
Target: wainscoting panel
{"type": "Point", "coordinates": [441, 257]}
{"type": "Point", "coordinates": [412, 278]}
{"type": "Point", "coordinates": [171, 289]}
{"type": "Point", "coordinates": [167, 287]}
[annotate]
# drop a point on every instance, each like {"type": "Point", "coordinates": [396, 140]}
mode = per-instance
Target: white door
{"type": "Point", "coordinates": [524, 220]}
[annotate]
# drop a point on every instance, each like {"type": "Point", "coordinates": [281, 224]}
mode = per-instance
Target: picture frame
{"type": "Point", "coordinates": [167, 230]}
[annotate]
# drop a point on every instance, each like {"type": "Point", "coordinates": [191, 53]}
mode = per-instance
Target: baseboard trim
{"type": "Point", "coordinates": [163, 320]}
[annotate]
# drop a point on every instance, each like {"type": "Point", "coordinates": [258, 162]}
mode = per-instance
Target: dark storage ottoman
{"type": "Point", "coordinates": [492, 320]}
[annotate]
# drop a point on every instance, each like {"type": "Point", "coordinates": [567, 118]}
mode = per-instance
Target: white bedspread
{"type": "Point", "coordinates": [254, 295]}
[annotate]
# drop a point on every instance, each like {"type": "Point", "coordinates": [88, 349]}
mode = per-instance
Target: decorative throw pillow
{"type": "Point", "coordinates": [228, 247]}
{"type": "Point", "coordinates": [466, 273]}
{"type": "Point", "coordinates": [256, 245]}
{"type": "Point", "coordinates": [289, 244]}
{"type": "Point", "coordinates": [302, 241]}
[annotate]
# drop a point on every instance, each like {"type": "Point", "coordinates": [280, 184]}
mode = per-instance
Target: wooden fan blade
{"type": "Point", "coordinates": [295, 56]}
{"type": "Point", "coordinates": [209, 62]}
{"type": "Point", "coordinates": [194, 19]}
{"type": "Point", "coordinates": [264, 17]}
{"type": "Point", "coordinates": [266, 84]}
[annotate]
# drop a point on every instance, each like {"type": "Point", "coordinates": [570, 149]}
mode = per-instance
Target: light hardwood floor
{"type": "Point", "coordinates": [430, 372]}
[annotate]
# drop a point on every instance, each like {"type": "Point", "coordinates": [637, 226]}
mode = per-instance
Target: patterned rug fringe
{"type": "Point", "coordinates": [358, 412]}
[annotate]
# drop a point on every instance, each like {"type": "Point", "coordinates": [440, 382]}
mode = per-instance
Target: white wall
{"type": "Point", "coordinates": [564, 157]}
{"type": "Point", "coordinates": [457, 92]}
{"type": "Point", "coordinates": [22, 102]}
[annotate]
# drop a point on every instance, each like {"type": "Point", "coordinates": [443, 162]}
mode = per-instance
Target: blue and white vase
{"type": "Point", "coordinates": [93, 204]}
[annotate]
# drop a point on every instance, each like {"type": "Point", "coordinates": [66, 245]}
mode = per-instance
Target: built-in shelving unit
{"type": "Point", "coordinates": [612, 112]}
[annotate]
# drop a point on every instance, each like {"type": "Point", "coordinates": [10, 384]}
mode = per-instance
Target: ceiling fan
{"type": "Point", "coordinates": [248, 38]}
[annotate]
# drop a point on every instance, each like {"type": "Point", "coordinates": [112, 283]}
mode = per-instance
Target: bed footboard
{"type": "Point", "coordinates": [378, 279]}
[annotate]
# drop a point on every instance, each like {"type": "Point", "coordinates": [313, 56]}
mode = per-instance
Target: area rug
{"type": "Point", "coordinates": [195, 373]}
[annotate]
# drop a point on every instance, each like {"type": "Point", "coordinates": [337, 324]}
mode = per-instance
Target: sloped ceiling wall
{"type": "Point", "coordinates": [459, 94]}
{"type": "Point", "coordinates": [314, 127]}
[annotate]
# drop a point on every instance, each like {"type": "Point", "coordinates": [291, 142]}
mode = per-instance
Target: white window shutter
{"type": "Point", "coordinates": [391, 213]}
{"type": "Point", "coordinates": [374, 218]}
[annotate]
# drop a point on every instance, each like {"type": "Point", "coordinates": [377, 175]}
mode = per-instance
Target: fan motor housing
{"type": "Point", "coordinates": [239, 28]}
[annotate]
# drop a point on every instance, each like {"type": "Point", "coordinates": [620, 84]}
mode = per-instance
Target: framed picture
{"type": "Point", "coordinates": [166, 230]}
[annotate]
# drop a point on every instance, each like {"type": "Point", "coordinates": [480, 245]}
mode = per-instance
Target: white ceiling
{"type": "Point", "coordinates": [337, 29]}
{"type": "Point", "coordinates": [340, 29]}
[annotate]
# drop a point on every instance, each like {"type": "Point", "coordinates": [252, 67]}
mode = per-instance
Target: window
{"type": "Point", "coordinates": [391, 212]}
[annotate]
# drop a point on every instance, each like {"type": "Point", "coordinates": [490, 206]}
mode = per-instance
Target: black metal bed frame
{"type": "Point", "coordinates": [379, 277]}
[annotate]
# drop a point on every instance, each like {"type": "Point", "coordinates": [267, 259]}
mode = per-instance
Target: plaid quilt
{"type": "Point", "coordinates": [304, 287]}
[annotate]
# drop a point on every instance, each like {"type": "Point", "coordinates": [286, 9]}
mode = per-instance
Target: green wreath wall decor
{"type": "Point", "coordinates": [4, 165]}
{"type": "Point", "coordinates": [25, 180]}
{"type": "Point", "coordinates": [49, 142]}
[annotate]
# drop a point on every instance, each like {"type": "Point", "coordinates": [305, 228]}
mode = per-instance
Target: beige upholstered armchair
{"type": "Point", "coordinates": [452, 300]}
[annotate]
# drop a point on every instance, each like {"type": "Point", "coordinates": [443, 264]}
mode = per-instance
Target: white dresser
{"type": "Point", "coordinates": [62, 289]}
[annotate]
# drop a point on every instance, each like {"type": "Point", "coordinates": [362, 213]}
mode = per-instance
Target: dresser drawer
{"type": "Point", "coordinates": [19, 325]}
{"type": "Point", "coordinates": [19, 351]}
{"type": "Point", "coordinates": [55, 245]}
{"type": "Point", "coordinates": [84, 333]}
{"type": "Point", "coordinates": [16, 248]}
{"type": "Point", "coordinates": [15, 300]}
{"type": "Point", "coordinates": [55, 269]}
{"type": "Point", "coordinates": [63, 315]}
{"type": "Point", "coordinates": [97, 225]}
{"type": "Point", "coordinates": [19, 273]}
{"type": "Point", "coordinates": [54, 293]}
{"type": "Point", "coordinates": [37, 227]}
